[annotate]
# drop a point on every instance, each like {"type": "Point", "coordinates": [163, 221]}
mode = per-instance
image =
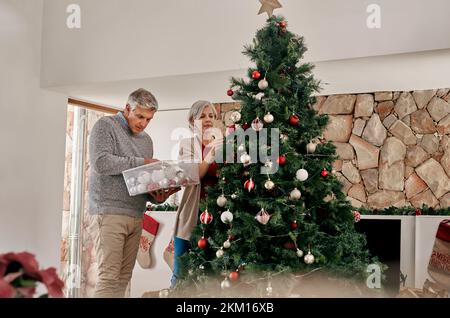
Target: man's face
{"type": "Point", "coordinates": [138, 119]}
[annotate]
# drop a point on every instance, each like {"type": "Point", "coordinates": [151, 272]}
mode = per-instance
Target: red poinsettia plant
{"type": "Point", "coordinates": [20, 275]}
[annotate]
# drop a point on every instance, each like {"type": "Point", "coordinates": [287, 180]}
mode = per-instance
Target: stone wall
{"type": "Point", "coordinates": [394, 147]}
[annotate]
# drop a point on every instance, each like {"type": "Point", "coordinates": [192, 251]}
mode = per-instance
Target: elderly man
{"type": "Point", "coordinates": [119, 143]}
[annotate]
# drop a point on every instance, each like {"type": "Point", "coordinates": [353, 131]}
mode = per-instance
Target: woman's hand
{"type": "Point", "coordinates": [161, 195]}
{"type": "Point", "coordinates": [211, 149]}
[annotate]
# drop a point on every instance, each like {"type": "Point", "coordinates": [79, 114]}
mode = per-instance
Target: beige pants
{"type": "Point", "coordinates": [116, 245]}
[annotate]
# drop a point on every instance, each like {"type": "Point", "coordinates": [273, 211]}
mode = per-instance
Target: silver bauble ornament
{"type": "Point", "coordinates": [245, 158]}
{"type": "Point", "coordinates": [295, 194]}
{"type": "Point", "coordinates": [234, 196]}
{"type": "Point", "coordinates": [309, 258]}
{"type": "Point", "coordinates": [221, 201]}
{"type": "Point", "coordinates": [311, 147]}
{"type": "Point", "coordinates": [226, 217]}
{"type": "Point", "coordinates": [299, 252]}
{"type": "Point", "coordinates": [269, 185]}
{"type": "Point", "coordinates": [263, 84]}
{"type": "Point", "coordinates": [225, 284]}
{"type": "Point", "coordinates": [164, 183]}
{"type": "Point", "coordinates": [226, 244]}
{"type": "Point", "coordinates": [219, 253]}
{"type": "Point", "coordinates": [235, 116]}
{"type": "Point", "coordinates": [268, 118]}
{"type": "Point", "coordinates": [259, 96]}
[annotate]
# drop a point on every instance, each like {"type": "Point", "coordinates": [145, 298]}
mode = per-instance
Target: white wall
{"type": "Point", "coordinates": [123, 40]}
{"type": "Point", "coordinates": [32, 136]}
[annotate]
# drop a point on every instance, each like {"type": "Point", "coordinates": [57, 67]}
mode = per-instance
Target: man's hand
{"type": "Point", "coordinates": [149, 160]}
{"type": "Point", "coordinates": [161, 195]}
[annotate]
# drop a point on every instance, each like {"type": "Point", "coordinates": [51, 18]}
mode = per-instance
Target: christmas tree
{"type": "Point", "coordinates": [284, 212]}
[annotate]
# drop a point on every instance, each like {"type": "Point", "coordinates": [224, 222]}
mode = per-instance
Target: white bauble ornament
{"type": "Point", "coordinates": [131, 181]}
{"type": "Point", "coordinates": [170, 172]}
{"type": "Point", "coordinates": [259, 96]}
{"type": "Point", "coordinates": [158, 175]}
{"type": "Point", "coordinates": [141, 188]}
{"type": "Point", "coordinates": [245, 158]}
{"type": "Point", "coordinates": [263, 84]}
{"type": "Point", "coordinates": [226, 244]}
{"type": "Point", "coordinates": [226, 217]}
{"type": "Point", "coordinates": [311, 147]}
{"type": "Point", "coordinates": [284, 137]}
{"type": "Point", "coordinates": [235, 116]}
{"type": "Point", "coordinates": [234, 196]}
{"type": "Point", "coordinates": [241, 148]}
{"type": "Point", "coordinates": [268, 118]}
{"type": "Point", "coordinates": [221, 201]}
{"type": "Point", "coordinates": [225, 284]}
{"type": "Point", "coordinates": [164, 183]}
{"type": "Point", "coordinates": [269, 185]}
{"type": "Point", "coordinates": [219, 253]}
{"type": "Point", "coordinates": [144, 177]}
{"type": "Point", "coordinates": [301, 174]}
{"type": "Point", "coordinates": [176, 180]}
{"type": "Point", "coordinates": [309, 258]}
{"type": "Point", "coordinates": [299, 252]}
{"type": "Point", "coordinates": [295, 194]}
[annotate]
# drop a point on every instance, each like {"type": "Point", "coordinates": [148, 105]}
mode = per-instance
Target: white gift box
{"type": "Point", "coordinates": [160, 175]}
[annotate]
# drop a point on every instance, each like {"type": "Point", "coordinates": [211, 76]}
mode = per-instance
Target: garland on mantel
{"type": "Point", "coordinates": [363, 211]}
{"type": "Point", "coordinates": [425, 210]}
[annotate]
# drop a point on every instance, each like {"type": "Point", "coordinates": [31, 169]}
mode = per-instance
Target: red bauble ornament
{"type": "Point", "coordinates": [256, 75]}
{"type": "Point", "coordinates": [245, 126]}
{"type": "Point", "coordinates": [231, 237]}
{"type": "Point", "coordinates": [234, 276]}
{"type": "Point", "coordinates": [249, 185]}
{"type": "Point", "coordinates": [206, 217]}
{"type": "Point", "coordinates": [281, 160]}
{"type": "Point", "coordinates": [324, 173]}
{"type": "Point", "coordinates": [293, 120]}
{"type": "Point", "coordinates": [230, 92]}
{"type": "Point", "coordinates": [418, 212]}
{"type": "Point", "coordinates": [290, 245]}
{"type": "Point", "coordinates": [356, 216]}
{"type": "Point", "coordinates": [294, 225]}
{"type": "Point", "coordinates": [202, 243]}
{"type": "Point", "coordinates": [283, 24]}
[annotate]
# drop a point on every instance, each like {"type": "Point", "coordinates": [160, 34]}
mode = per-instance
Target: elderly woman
{"type": "Point", "coordinates": [200, 148]}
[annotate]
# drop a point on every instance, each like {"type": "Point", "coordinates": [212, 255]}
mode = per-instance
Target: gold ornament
{"type": "Point", "coordinates": [268, 6]}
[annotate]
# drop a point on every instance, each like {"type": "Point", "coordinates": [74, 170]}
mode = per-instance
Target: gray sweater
{"type": "Point", "coordinates": [114, 148]}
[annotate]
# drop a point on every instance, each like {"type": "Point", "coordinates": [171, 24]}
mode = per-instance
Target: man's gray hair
{"type": "Point", "coordinates": [197, 109]}
{"type": "Point", "coordinates": [143, 99]}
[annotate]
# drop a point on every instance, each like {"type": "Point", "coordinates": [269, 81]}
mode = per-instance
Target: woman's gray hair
{"type": "Point", "coordinates": [143, 99]}
{"type": "Point", "coordinates": [197, 109]}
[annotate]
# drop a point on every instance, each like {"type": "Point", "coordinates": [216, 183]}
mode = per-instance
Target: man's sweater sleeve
{"type": "Point", "coordinates": [101, 148]}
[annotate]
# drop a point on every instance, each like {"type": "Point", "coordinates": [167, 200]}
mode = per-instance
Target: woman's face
{"type": "Point", "coordinates": [207, 118]}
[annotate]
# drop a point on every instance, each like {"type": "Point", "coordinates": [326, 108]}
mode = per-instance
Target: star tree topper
{"type": "Point", "coordinates": [268, 6]}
